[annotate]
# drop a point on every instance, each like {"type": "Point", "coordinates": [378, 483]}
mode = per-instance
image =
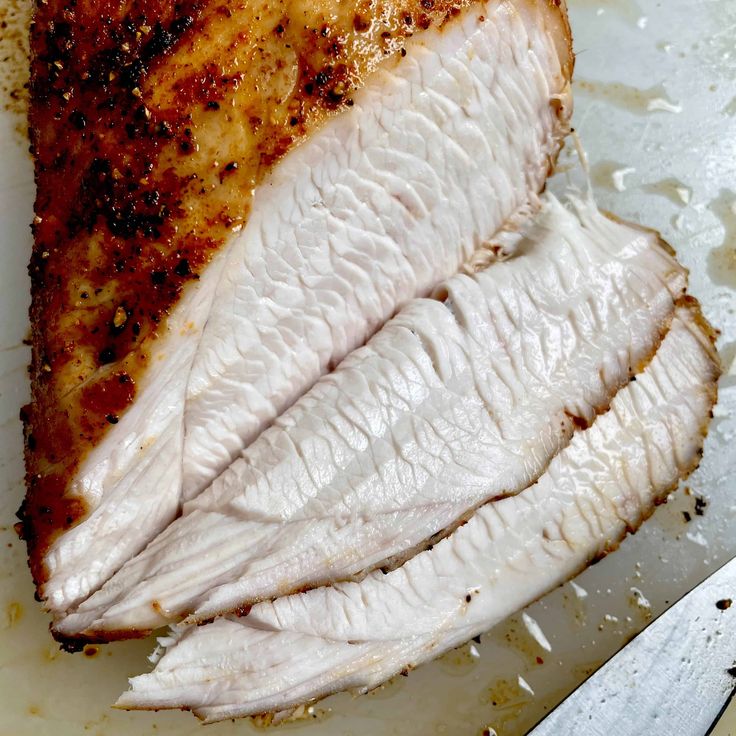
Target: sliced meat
{"type": "Point", "coordinates": [451, 404]}
{"type": "Point", "coordinates": [439, 152]}
{"type": "Point", "coordinates": [174, 316]}
{"type": "Point", "coordinates": [357, 635]}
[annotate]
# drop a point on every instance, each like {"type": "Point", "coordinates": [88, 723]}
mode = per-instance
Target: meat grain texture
{"type": "Point", "coordinates": [231, 200]}
{"type": "Point", "coordinates": [453, 403]}
{"type": "Point", "coordinates": [207, 245]}
{"type": "Point", "coordinates": [354, 636]}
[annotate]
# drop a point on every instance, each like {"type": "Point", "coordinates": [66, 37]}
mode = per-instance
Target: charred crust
{"type": "Point", "coordinates": [74, 644]}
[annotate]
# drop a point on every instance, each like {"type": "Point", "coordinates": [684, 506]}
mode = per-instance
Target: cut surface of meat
{"type": "Point", "coordinates": [152, 368]}
{"type": "Point", "coordinates": [357, 635]}
{"type": "Point", "coordinates": [453, 403]}
{"type": "Point", "coordinates": [438, 153]}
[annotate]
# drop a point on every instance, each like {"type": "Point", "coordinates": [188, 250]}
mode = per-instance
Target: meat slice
{"type": "Point", "coordinates": [174, 314]}
{"type": "Point", "coordinates": [438, 153]}
{"type": "Point", "coordinates": [356, 635]}
{"type": "Point", "coordinates": [451, 404]}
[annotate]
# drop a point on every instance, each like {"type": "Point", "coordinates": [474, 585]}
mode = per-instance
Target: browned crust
{"type": "Point", "coordinates": [72, 644]}
{"type": "Point", "coordinates": [125, 99]}
{"type": "Point", "coordinates": [565, 48]}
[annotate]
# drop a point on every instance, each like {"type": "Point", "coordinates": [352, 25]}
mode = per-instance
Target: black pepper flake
{"type": "Point", "coordinates": [213, 105]}
{"type": "Point", "coordinates": [142, 113]}
{"type": "Point", "coordinates": [700, 505]}
{"type": "Point", "coordinates": [100, 166]}
{"type": "Point", "coordinates": [78, 119]}
{"type": "Point", "coordinates": [724, 604]}
{"type": "Point", "coordinates": [403, 52]}
{"type": "Point", "coordinates": [427, 4]}
{"type": "Point", "coordinates": [164, 129]}
{"type": "Point", "coordinates": [158, 277]}
{"type": "Point", "coordinates": [151, 197]}
{"type": "Point", "coordinates": [686, 516]}
{"type": "Point", "coordinates": [182, 24]}
{"type": "Point", "coordinates": [182, 268]}
{"type": "Point", "coordinates": [107, 355]}
{"type": "Point", "coordinates": [227, 170]}
{"type": "Point", "coordinates": [279, 29]}
{"type": "Point", "coordinates": [131, 74]}
{"type": "Point", "coordinates": [334, 98]}
{"type": "Point", "coordinates": [468, 598]}
{"type": "Point", "coordinates": [136, 328]}
{"type": "Point", "coordinates": [293, 122]}
{"type": "Point", "coordinates": [112, 418]}
{"type": "Point", "coordinates": [161, 40]}
{"type": "Point", "coordinates": [123, 378]}
{"type": "Point", "coordinates": [360, 24]}
{"type": "Point", "coordinates": [44, 509]}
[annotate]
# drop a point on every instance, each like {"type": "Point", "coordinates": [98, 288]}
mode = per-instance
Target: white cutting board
{"type": "Point", "coordinates": [656, 110]}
